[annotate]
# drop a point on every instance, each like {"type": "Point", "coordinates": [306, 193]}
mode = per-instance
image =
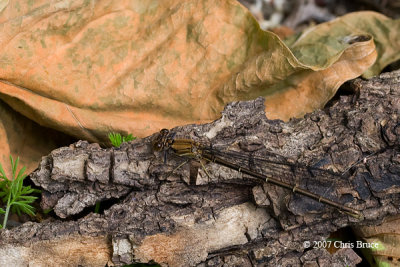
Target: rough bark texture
{"type": "Point", "coordinates": [222, 219]}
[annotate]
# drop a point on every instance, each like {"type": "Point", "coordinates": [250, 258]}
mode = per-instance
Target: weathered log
{"type": "Point", "coordinates": [158, 213]}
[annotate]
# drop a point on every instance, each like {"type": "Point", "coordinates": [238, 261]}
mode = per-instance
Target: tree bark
{"type": "Point", "coordinates": [185, 216]}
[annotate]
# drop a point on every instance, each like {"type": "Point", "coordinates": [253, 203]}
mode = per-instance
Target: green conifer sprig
{"type": "Point", "coordinates": [13, 192]}
{"type": "Point", "coordinates": [117, 139]}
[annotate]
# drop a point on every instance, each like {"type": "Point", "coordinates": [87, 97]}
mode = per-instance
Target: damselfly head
{"type": "Point", "coordinates": [164, 132]}
{"type": "Point", "coordinates": [162, 140]}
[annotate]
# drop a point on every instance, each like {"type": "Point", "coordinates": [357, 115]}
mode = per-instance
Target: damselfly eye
{"type": "Point", "coordinates": [164, 131]}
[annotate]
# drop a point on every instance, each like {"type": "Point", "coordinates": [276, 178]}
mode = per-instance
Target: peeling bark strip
{"type": "Point", "coordinates": [157, 213]}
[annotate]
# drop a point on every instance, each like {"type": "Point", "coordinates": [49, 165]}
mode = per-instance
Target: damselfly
{"type": "Point", "coordinates": [192, 149]}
